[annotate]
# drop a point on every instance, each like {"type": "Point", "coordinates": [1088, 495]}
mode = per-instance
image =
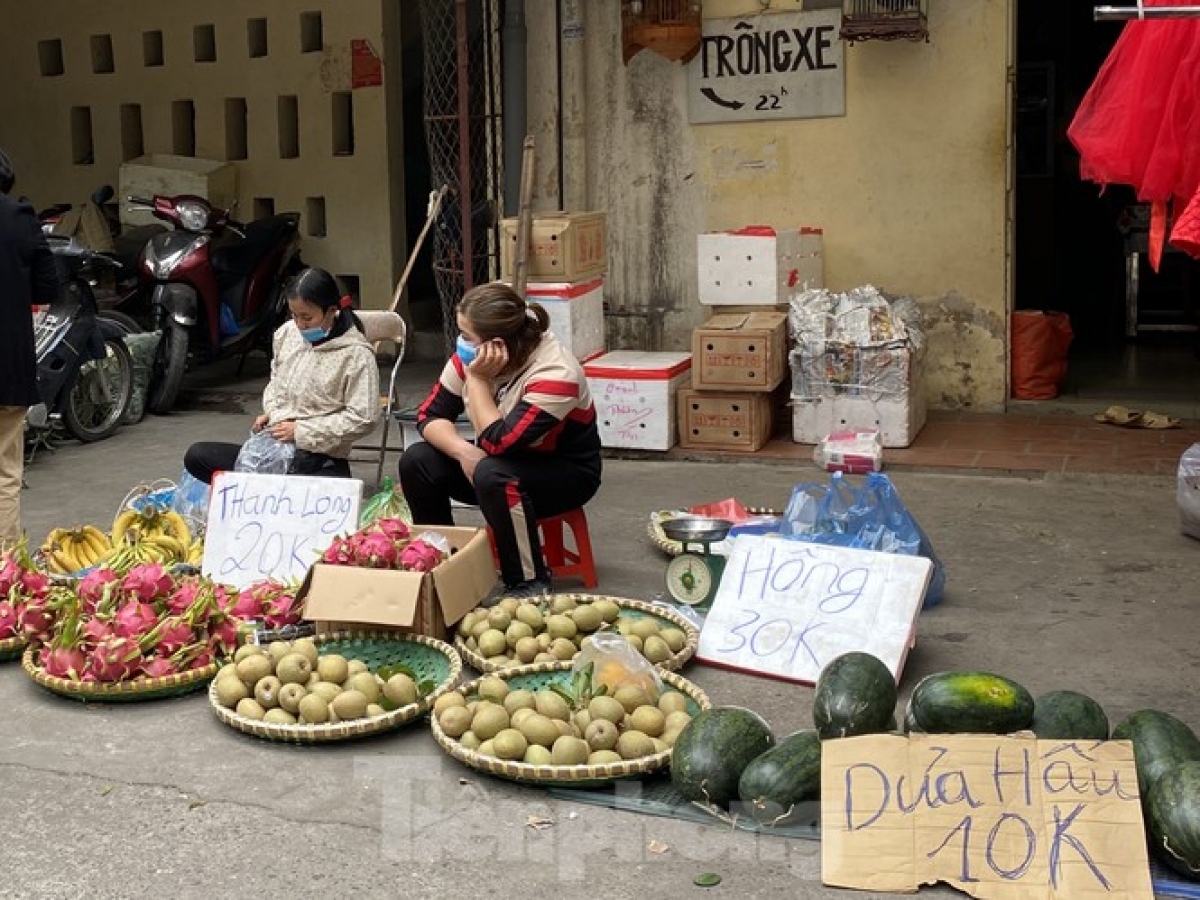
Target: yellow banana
{"type": "Point", "coordinates": [168, 545]}
{"type": "Point", "coordinates": [122, 524]}
{"type": "Point", "coordinates": [195, 554]}
{"type": "Point", "coordinates": [81, 551]}
{"type": "Point", "coordinates": [97, 539]}
{"type": "Point", "coordinates": [177, 526]}
{"type": "Point", "coordinates": [63, 562]}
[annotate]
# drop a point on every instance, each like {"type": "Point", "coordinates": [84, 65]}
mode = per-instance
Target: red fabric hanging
{"type": "Point", "coordinates": [1139, 123]}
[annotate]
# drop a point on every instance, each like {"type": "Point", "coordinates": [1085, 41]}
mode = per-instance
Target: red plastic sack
{"type": "Point", "coordinates": [1040, 341]}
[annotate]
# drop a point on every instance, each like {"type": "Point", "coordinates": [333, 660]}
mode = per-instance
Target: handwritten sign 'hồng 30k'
{"type": "Point", "coordinates": [788, 608]}
{"type": "Point", "coordinates": [997, 817]}
{"type": "Point", "coordinates": [274, 526]}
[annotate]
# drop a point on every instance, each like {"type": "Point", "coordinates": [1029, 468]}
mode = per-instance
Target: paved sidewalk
{"type": "Point", "coordinates": [1060, 581]}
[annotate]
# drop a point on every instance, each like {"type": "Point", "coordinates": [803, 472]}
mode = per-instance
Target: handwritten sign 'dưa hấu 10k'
{"type": "Point", "coordinates": [995, 816]}
{"type": "Point", "coordinates": [274, 526]}
{"type": "Point", "coordinates": [788, 608]}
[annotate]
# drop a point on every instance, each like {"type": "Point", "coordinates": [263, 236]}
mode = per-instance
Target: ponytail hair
{"type": "Point", "coordinates": [495, 310]}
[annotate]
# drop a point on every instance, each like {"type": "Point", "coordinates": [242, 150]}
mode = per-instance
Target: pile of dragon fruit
{"type": "Point", "coordinates": [147, 623]}
{"type": "Point", "coordinates": [387, 544]}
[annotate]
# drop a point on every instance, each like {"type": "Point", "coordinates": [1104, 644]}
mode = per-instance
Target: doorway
{"type": "Point", "coordinates": [1082, 251]}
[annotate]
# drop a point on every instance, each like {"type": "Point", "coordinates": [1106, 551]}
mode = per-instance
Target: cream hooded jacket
{"type": "Point", "coordinates": [331, 391]}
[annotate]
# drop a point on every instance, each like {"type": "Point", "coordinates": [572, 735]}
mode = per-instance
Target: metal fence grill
{"type": "Point", "coordinates": [463, 132]}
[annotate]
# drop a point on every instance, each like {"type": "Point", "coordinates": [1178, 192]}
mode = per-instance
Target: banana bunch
{"type": "Point", "coordinates": [156, 548]}
{"type": "Point", "coordinates": [68, 550]}
{"type": "Point", "coordinates": [152, 521]}
{"type": "Point", "coordinates": [195, 552]}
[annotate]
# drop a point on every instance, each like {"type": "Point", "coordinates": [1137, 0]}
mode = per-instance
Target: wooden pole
{"type": "Point", "coordinates": [524, 219]}
{"type": "Point", "coordinates": [435, 206]}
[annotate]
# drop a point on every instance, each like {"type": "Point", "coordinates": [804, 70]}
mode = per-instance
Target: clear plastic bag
{"type": "Point", "coordinates": [1187, 491]}
{"type": "Point", "coordinates": [616, 663]}
{"type": "Point", "coordinates": [191, 501]}
{"type": "Point", "coordinates": [388, 503]}
{"type": "Point", "coordinates": [262, 454]}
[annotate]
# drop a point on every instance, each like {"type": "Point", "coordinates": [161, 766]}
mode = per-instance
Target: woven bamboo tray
{"type": "Point", "coordinates": [537, 677]}
{"type": "Point", "coordinates": [673, 548]}
{"type": "Point", "coordinates": [12, 648]}
{"type": "Point", "coordinates": [430, 660]}
{"type": "Point", "coordinates": [631, 609]}
{"type": "Point", "coordinates": [121, 691]}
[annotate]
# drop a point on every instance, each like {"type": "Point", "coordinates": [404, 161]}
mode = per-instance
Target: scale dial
{"type": "Point", "coordinates": [689, 579]}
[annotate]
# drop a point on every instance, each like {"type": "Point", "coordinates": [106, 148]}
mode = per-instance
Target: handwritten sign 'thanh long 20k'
{"type": "Point", "coordinates": [997, 817]}
{"type": "Point", "coordinates": [789, 608]}
{"type": "Point", "coordinates": [274, 526]}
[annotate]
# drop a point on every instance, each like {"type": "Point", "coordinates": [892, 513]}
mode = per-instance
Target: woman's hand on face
{"type": "Point", "coordinates": [260, 423]}
{"type": "Point", "coordinates": [284, 431]}
{"type": "Point", "coordinates": [490, 359]}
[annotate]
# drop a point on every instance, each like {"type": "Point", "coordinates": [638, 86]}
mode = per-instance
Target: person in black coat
{"type": "Point", "coordinates": [27, 278]}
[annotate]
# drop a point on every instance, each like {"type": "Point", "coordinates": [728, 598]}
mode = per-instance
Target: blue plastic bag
{"type": "Point", "coordinates": [873, 517]}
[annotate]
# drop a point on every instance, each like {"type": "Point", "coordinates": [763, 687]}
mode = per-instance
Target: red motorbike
{"type": "Point", "coordinates": [215, 285]}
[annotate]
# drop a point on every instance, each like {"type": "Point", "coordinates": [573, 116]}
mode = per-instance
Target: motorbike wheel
{"type": "Point", "coordinates": [99, 398]}
{"type": "Point", "coordinates": [128, 323]}
{"type": "Point", "coordinates": [169, 366]}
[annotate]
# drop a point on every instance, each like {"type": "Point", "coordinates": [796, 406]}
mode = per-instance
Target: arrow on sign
{"type": "Point", "coordinates": [721, 101]}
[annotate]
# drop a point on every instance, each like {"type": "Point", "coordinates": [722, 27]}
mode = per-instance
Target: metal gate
{"type": "Point", "coordinates": [463, 132]}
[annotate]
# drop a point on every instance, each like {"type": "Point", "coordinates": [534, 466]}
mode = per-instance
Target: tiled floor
{"type": "Point", "coordinates": [1011, 443]}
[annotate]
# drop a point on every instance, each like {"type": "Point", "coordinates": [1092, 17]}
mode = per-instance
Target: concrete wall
{"type": "Point", "coordinates": [337, 156]}
{"type": "Point", "coordinates": [910, 185]}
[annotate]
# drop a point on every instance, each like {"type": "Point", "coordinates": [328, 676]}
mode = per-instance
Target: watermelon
{"type": "Point", "coordinates": [970, 702]}
{"type": "Point", "coordinates": [713, 750]}
{"type": "Point", "coordinates": [1068, 715]}
{"type": "Point", "coordinates": [786, 774]}
{"type": "Point", "coordinates": [856, 694]}
{"type": "Point", "coordinates": [1160, 742]}
{"type": "Point", "coordinates": [1172, 812]}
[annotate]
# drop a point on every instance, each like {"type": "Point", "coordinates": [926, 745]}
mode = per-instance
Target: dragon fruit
{"type": "Point", "coordinates": [223, 634]}
{"type": "Point", "coordinates": [95, 630]}
{"type": "Point", "coordinates": [339, 553]}
{"type": "Point", "coordinates": [396, 529]}
{"type": "Point", "coordinates": [158, 667]}
{"type": "Point", "coordinates": [34, 584]}
{"type": "Point", "coordinates": [37, 620]}
{"type": "Point", "coordinates": [64, 662]}
{"type": "Point", "coordinates": [420, 557]}
{"type": "Point", "coordinates": [10, 620]}
{"type": "Point", "coordinates": [134, 620]}
{"type": "Point", "coordinates": [147, 582]}
{"type": "Point", "coordinates": [173, 635]}
{"type": "Point", "coordinates": [10, 573]}
{"type": "Point", "coordinates": [184, 595]}
{"type": "Point", "coordinates": [115, 659]}
{"type": "Point", "coordinates": [375, 550]}
{"type": "Point", "coordinates": [91, 589]}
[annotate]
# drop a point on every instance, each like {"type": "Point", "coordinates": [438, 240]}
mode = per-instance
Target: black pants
{"type": "Point", "coordinates": [512, 492]}
{"type": "Point", "coordinates": [206, 458]}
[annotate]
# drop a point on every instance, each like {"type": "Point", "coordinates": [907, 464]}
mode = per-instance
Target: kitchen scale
{"type": "Point", "coordinates": [694, 575]}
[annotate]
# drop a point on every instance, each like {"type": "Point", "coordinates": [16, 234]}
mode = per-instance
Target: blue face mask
{"type": "Point", "coordinates": [465, 350]}
{"type": "Point", "coordinates": [313, 335]}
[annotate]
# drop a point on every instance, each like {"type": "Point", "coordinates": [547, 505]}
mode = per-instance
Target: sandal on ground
{"type": "Point", "coordinates": [1120, 415]}
{"type": "Point", "coordinates": [1158, 420]}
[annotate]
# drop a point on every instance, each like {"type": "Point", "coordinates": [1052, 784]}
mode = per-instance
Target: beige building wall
{"type": "Point", "coordinates": [910, 186]}
{"type": "Point", "coordinates": [271, 87]}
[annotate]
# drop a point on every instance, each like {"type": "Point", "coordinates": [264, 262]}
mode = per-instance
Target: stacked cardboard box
{"type": "Point", "coordinates": [566, 262]}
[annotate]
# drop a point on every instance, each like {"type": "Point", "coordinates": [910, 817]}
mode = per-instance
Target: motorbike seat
{"type": "Point", "coordinates": [239, 256]}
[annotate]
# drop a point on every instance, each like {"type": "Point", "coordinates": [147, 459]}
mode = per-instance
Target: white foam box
{"type": "Point", "coordinates": [758, 265]}
{"type": "Point", "coordinates": [576, 311]}
{"type": "Point", "coordinates": [634, 393]}
{"type": "Point", "coordinates": [899, 418]}
{"type": "Point", "coordinates": [162, 173]}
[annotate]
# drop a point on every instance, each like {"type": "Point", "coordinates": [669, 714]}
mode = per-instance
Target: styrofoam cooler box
{"type": "Point", "coordinates": [163, 173]}
{"type": "Point", "coordinates": [899, 418]}
{"type": "Point", "coordinates": [576, 311]}
{"type": "Point", "coordinates": [634, 393]}
{"type": "Point", "coordinates": [758, 265]}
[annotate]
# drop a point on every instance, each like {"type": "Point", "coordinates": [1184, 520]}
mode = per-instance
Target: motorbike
{"type": "Point", "coordinates": [84, 369]}
{"type": "Point", "coordinates": [215, 286]}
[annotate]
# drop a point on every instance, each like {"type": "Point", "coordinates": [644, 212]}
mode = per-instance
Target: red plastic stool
{"type": "Point", "coordinates": [563, 561]}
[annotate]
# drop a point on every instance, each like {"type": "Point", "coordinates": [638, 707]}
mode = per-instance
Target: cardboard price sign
{"type": "Point", "coordinates": [789, 608]}
{"type": "Point", "coordinates": [274, 526]}
{"type": "Point", "coordinates": [997, 817]}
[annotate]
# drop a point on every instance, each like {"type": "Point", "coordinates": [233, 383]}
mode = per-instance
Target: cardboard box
{"type": "Point", "coordinates": [576, 311]}
{"type": "Point", "coordinates": [758, 265]}
{"type": "Point", "coordinates": [162, 173]}
{"type": "Point", "coordinates": [634, 394]}
{"type": "Point", "coordinates": [725, 420]}
{"type": "Point", "coordinates": [341, 597]}
{"type": "Point", "coordinates": [562, 247]}
{"type": "Point", "coordinates": [740, 352]}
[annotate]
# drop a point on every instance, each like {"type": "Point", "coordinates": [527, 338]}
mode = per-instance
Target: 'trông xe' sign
{"type": "Point", "coordinates": [778, 66]}
{"type": "Point", "coordinates": [997, 817]}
